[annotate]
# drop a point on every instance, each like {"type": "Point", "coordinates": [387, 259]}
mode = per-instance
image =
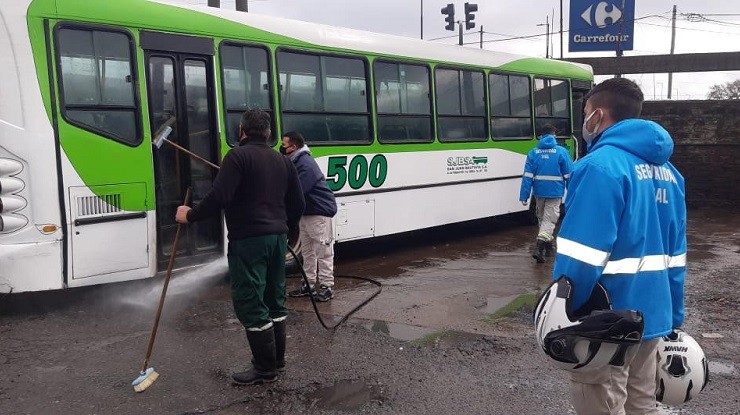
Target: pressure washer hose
{"type": "Point", "coordinates": [313, 300]}
{"type": "Point", "coordinates": [161, 136]}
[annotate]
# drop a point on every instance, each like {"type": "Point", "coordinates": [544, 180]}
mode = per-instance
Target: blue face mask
{"type": "Point", "coordinates": [589, 136]}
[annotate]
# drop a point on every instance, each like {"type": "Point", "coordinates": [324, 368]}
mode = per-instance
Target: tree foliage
{"type": "Point", "coordinates": [728, 90]}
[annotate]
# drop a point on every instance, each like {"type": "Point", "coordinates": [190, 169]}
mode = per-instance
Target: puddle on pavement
{"type": "Point", "coordinates": [345, 395]}
{"type": "Point", "coordinates": [494, 304]}
{"type": "Point", "coordinates": [720, 368]}
{"type": "Point", "coordinates": [399, 331]}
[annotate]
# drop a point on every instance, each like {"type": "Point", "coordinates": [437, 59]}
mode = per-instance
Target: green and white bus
{"type": "Point", "coordinates": [410, 134]}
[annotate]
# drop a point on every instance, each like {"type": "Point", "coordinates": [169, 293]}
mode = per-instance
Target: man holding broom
{"type": "Point", "coordinates": [262, 198]}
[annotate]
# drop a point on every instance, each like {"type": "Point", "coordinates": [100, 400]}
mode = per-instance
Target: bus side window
{"type": "Point", "coordinates": [246, 84]}
{"type": "Point", "coordinates": [511, 107]}
{"type": "Point", "coordinates": [461, 105]}
{"type": "Point", "coordinates": [97, 82]}
{"type": "Point", "coordinates": [552, 105]}
{"type": "Point", "coordinates": [324, 97]}
{"type": "Point", "coordinates": [403, 102]}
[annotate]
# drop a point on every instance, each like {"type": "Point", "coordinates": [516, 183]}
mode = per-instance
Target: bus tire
{"type": "Point", "coordinates": [294, 242]}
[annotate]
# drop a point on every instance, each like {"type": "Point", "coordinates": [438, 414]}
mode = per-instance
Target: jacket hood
{"type": "Point", "coordinates": [300, 151]}
{"type": "Point", "coordinates": [547, 141]}
{"type": "Point", "coordinates": [643, 138]}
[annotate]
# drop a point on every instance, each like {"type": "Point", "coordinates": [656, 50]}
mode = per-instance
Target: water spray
{"type": "Point", "coordinates": [148, 375]}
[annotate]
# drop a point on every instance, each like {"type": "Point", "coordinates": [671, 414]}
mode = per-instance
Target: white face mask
{"type": "Point", "coordinates": [589, 136]}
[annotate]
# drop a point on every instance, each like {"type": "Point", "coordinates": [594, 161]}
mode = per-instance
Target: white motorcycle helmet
{"type": "Point", "coordinates": [683, 370]}
{"type": "Point", "coordinates": [589, 338]}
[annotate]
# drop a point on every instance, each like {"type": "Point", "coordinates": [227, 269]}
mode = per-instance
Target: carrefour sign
{"type": "Point", "coordinates": [601, 25]}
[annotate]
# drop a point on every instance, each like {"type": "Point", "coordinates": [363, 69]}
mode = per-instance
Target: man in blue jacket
{"type": "Point", "coordinates": [548, 167]}
{"type": "Point", "coordinates": [625, 227]}
{"type": "Point", "coordinates": [317, 234]}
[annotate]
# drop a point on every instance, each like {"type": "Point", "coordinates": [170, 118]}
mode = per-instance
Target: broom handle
{"type": "Point", "coordinates": [190, 153]}
{"type": "Point", "coordinates": [164, 288]}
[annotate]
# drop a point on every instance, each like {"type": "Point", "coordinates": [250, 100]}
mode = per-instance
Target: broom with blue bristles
{"type": "Point", "coordinates": [148, 375]}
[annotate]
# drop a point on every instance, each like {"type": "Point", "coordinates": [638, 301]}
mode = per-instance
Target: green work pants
{"type": "Point", "coordinates": [257, 271]}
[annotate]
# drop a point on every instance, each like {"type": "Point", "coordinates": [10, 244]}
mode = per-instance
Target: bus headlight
{"type": "Point", "coordinates": [10, 223]}
{"type": "Point", "coordinates": [9, 185]}
{"type": "Point", "coordinates": [10, 204]}
{"type": "Point", "coordinates": [10, 167]}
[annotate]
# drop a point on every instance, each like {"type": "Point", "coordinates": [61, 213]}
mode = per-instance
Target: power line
{"type": "Point", "coordinates": [721, 22]}
{"type": "Point", "coordinates": [692, 29]}
{"type": "Point", "coordinates": [638, 20]}
{"type": "Point", "coordinates": [524, 37]}
{"type": "Point", "coordinates": [720, 14]}
{"type": "Point", "coordinates": [447, 37]}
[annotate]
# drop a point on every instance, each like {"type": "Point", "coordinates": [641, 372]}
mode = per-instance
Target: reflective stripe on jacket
{"type": "Point", "coordinates": [625, 225]}
{"type": "Point", "coordinates": [547, 170]}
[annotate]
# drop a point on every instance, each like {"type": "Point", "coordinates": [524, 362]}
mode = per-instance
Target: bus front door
{"type": "Point", "coordinates": [180, 88]}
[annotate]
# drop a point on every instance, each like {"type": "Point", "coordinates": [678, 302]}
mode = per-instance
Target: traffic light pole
{"type": "Point", "coordinates": [449, 11]}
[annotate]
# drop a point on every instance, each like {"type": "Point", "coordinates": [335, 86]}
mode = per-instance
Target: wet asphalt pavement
{"type": "Point", "coordinates": [450, 333]}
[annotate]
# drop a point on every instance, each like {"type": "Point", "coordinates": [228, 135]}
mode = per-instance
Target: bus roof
{"type": "Point", "coordinates": [178, 17]}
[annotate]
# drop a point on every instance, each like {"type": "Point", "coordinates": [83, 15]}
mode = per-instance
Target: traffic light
{"type": "Point", "coordinates": [449, 10]}
{"type": "Point", "coordinates": [470, 8]}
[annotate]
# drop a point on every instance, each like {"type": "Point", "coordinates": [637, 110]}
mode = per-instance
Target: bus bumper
{"type": "Point", "coordinates": [31, 267]}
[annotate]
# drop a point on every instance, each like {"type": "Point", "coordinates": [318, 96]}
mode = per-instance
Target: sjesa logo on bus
{"type": "Point", "coordinates": [457, 165]}
{"type": "Point", "coordinates": [466, 161]}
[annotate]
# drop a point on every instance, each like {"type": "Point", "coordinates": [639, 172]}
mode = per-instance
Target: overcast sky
{"type": "Point", "coordinates": [718, 32]}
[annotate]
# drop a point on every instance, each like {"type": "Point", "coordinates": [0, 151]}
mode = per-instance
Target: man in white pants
{"type": "Point", "coordinates": [546, 173]}
{"type": "Point", "coordinates": [317, 234]}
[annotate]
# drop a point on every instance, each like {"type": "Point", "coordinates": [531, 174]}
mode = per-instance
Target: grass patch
{"type": "Point", "coordinates": [524, 301]}
{"type": "Point", "coordinates": [430, 338]}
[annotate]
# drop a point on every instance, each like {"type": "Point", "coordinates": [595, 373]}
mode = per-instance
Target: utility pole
{"type": "Point", "coordinates": [481, 36]}
{"type": "Point", "coordinates": [460, 32]}
{"type": "Point", "coordinates": [619, 37]}
{"type": "Point", "coordinates": [421, 15]}
{"type": "Point", "coordinates": [673, 47]}
{"type": "Point", "coordinates": [547, 37]}
{"type": "Point", "coordinates": [561, 29]}
{"type": "Point", "coordinates": [242, 6]}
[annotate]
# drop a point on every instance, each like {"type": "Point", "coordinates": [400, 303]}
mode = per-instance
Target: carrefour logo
{"type": "Point", "coordinates": [601, 13]}
{"type": "Point", "coordinates": [601, 25]}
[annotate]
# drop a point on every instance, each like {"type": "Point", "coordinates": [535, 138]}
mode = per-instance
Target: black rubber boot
{"type": "Point", "coordinates": [279, 327]}
{"type": "Point", "coordinates": [262, 344]}
{"type": "Point", "coordinates": [549, 249]}
{"type": "Point", "coordinates": [539, 251]}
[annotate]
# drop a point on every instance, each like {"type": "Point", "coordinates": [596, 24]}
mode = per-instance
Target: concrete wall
{"type": "Point", "coordinates": [707, 147]}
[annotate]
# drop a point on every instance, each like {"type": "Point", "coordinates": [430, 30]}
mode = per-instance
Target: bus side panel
{"type": "Point", "coordinates": [31, 234]}
{"type": "Point", "coordinates": [107, 183]}
{"type": "Point", "coordinates": [382, 194]}
{"type": "Point", "coordinates": [408, 210]}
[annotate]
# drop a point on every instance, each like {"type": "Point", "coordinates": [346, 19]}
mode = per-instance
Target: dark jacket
{"type": "Point", "coordinates": [319, 199]}
{"type": "Point", "coordinates": [259, 190]}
